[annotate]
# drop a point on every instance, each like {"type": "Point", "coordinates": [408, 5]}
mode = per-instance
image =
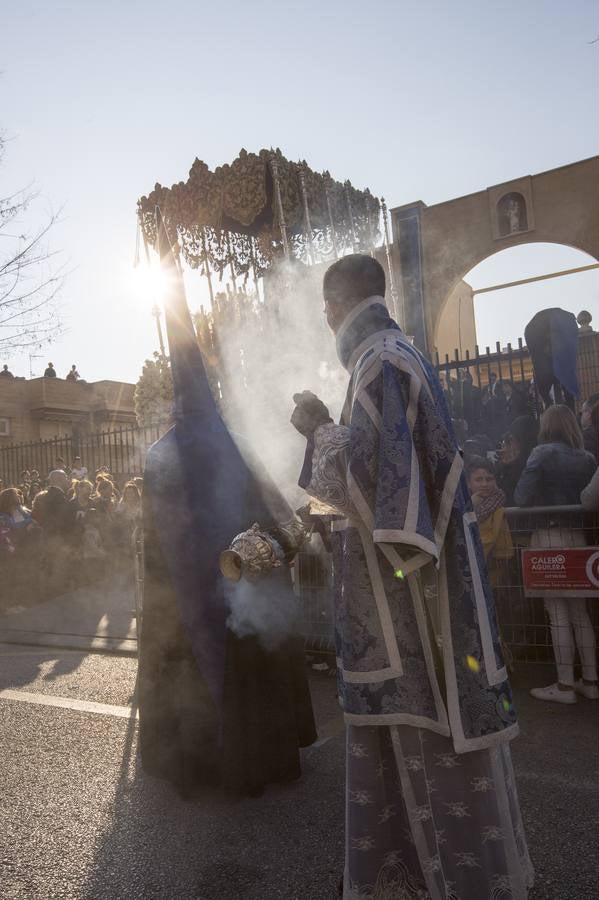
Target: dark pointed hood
{"type": "Point", "coordinates": [193, 396]}
{"type": "Point", "coordinates": [198, 488]}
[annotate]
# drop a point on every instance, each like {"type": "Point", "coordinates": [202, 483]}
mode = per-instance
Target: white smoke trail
{"type": "Point", "coordinates": [266, 609]}
{"type": "Point", "coordinates": [269, 357]}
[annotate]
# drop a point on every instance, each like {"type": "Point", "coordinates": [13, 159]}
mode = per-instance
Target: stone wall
{"type": "Point", "coordinates": [43, 408]}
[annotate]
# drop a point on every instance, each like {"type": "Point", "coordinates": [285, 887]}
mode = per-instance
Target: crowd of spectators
{"type": "Point", "coordinates": [67, 530]}
{"type": "Point", "coordinates": [491, 409]}
{"type": "Point", "coordinates": [545, 462]}
{"type": "Point", "coordinates": [555, 466]}
{"type": "Point", "coordinates": [70, 529]}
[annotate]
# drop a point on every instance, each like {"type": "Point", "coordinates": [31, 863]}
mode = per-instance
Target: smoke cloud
{"type": "Point", "coordinates": [266, 609]}
{"type": "Point", "coordinates": [270, 351]}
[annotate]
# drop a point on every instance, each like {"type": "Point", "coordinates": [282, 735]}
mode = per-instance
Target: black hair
{"type": "Point", "coordinates": [354, 278]}
{"type": "Point", "coordinates": [478, 462]}
{"type": "Point", "coordinates": [476, 446]}
{"type": "Point", "coordinates": [526, 430]}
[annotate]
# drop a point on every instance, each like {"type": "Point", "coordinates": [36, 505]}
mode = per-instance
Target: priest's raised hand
{"type": "Point", "coordinates": [309, 413]}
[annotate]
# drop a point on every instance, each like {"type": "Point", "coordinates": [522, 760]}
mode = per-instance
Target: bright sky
{"type": "Point", "coordinates": [416, 99]}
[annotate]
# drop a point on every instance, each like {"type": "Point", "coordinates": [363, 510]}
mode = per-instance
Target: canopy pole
{"type": "Point", "coordinates": [307, 222]}
{"type": "Point", "coordinates": [351, 217]}
{"type": "Point", "coordinates": [370, 226]}
{"type": "Point", "coordinates": [207, 267]}
{"type": "Point", "coordinates": [331, 220]}
{"type": "Point", "coordinates": [231, 266]}
{"type": "Point", "coordinates": [280, 214]}
{"type": "Point", "coordinates": [389, 262]}
{"type": "Point", "coordinates": [156, 310]}
{"type": "Point", "coordinates": [254, 265]}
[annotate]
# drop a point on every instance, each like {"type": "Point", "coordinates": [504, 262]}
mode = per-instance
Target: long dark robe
{"type": "Point", "coordinates": [212, 705]}
{"type": "Point", "coordinates": [266, 711]}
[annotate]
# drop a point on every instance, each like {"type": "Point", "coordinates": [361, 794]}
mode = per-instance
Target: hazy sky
{"type": "Point", "coordinates": [417, 100]}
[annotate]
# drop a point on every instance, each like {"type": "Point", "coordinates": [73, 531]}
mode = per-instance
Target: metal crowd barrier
{"type": "Point", "coordinates": [523, 622]}
{"type": "Point", "coordinates": [521, 612]}
{"type": "Point", "coordinates": [313, 584]}
{"type": "Point", "coordinates": [522, 618]}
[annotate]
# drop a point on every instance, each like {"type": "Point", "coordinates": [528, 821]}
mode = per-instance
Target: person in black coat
{"type": "Point", "coordinates": [518, 442]}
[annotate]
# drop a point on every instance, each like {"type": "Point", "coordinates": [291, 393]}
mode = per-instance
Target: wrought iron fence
{"type": "Point", "coordinates": [122, 450]}
{"type": "Point", "coordinates": [486, 391]}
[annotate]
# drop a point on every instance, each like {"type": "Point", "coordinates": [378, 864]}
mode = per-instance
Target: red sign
{"type": "Point", "coordinates": [569, 571]}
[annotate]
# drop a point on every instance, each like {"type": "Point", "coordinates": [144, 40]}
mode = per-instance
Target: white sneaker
{"type": "Point", "coordinates": [590, 691]}
{"type": "Point", "coordinates": [552, 692]}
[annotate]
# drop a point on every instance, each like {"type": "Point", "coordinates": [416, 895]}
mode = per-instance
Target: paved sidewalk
{"type": "Point", "coordinates": [95, 617]}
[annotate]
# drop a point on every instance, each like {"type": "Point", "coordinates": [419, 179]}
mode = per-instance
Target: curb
{"type": "Point", "coordinates": [121, 646]}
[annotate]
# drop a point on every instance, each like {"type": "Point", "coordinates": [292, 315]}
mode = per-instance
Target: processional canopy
{"type": "Point", "coordinates": [258, 209]}
{"type": "Point", "coordinates": [262, 225]}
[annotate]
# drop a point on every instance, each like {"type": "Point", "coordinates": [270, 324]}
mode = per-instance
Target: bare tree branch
{"type": "Point", "coordinates": [29, 282]}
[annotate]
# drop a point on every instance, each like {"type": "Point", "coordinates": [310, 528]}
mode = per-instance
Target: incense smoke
{"type": "Point", "coordinates": [280, 347]}
{"type": "Point", "coordinates": [269, 350]}
{"type": "Point", "coordinates": [266, 609]}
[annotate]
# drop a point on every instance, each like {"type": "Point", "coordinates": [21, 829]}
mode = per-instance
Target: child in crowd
{"type": "Point", "coordinates": [488, 501]}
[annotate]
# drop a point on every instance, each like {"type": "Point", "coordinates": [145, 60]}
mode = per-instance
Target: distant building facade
{"type": "Point", "coordinates": [44, 408]}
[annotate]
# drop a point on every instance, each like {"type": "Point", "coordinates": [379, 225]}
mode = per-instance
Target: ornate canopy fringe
{"type": "Point", "coordinates": [259, 208]}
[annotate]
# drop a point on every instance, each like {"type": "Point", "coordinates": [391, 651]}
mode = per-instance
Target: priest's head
{"type": "Point", "coordinates": [349, 281]}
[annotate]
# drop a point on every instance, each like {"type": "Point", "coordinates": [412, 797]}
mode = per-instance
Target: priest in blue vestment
{"type": "Point", "coordinates": [215, 704]}
{"type": "Point", "coordinates": [431, 803]}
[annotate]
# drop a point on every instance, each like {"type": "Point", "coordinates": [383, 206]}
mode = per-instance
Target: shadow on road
{"type": "Point", "coordinates": [103, 610]}
{"type": "Point", "coordinates": [19, 669]}
{"type": "Point", "coordinates": [286, 844]}
{"type": "Point", "coordinates": [289, 843]}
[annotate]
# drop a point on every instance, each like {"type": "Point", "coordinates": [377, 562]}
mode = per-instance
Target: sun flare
{"type": "Point", "coordinates": [148, 283]}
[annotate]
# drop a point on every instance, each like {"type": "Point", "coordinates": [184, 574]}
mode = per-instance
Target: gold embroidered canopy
{"type": "Point", "coordinates": [259, 208]}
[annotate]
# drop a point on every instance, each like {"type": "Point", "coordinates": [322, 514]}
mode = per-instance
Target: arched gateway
{"type": "Point", "coordinates": [436, 246]}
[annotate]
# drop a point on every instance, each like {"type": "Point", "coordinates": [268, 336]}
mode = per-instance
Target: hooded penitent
{"type": "Point", "coordinates": [552, 339]}
{"type": "Point", "coordinates": [201, 489]}
{"type": "Point", "coordinates": [199, 492]}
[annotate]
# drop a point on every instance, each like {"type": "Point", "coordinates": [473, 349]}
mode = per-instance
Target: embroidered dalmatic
{"type": "Point", "coordinates": [432, 810]}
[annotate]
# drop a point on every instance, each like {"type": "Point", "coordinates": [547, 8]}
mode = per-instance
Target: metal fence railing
{"type": "Point", "coordinates": [557, 531]}
{"type": "Point", "coordinates": [521, 612]}
{"type": "Point", "coordinates": [487, 390]}
{"type": "Point", "coordinates": [313, 583]}
{"type": "Point", "coordinates": [522, 618]}
{"type": "Point", "coordinates": [122, 450]}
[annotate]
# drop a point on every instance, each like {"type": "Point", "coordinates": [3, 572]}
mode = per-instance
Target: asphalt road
{"type": "Point", "coordinates": [80, 821]}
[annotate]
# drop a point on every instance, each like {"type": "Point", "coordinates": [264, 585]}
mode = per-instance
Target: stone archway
{"type": "Point", "coordinates": [435, 246]}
